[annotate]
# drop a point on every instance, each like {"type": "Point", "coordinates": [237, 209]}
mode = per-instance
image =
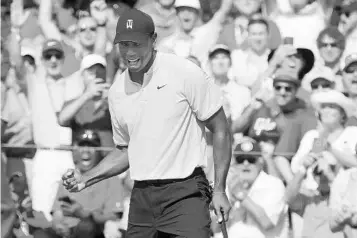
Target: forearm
{"type": "Point", "coordinates": [345, 158]}
{"type": "Point", "coordinates": [222, 152]}
{"type": "Point", "coordinates": [284, 168]}
{"type": "Point", "coordinates": [101, 217]}
{"type": "Point", "coordinates": [46, 23]}
{"type": "Point", "coordinates": [71, 109]}
{"type": "Point", "coordinates": [271, 167]}
{"type": "Point", "coordinates": [335, 226]}
{"type": "Point", "coordinates": [113, 164]}
{"type": "Point", "coordinates": [243, 122]}
{"type": "Point", "coordinates": [293, 188]}
{"type": "Point", "coordinates": [258, 213]}
{"type": "Point", "coordinates": [15, 52]}
{"type": "Point", "coordinates": [101, 41]}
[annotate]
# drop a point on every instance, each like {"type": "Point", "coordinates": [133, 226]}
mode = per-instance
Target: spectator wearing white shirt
{"type": "Point", "coordinates": [191, 39]}
{"type": "Point", "coordinates": [259, 209]}
{"type": "Point", "coordinates": [331, 138]}
{"type": "Point", "coordinates": [248, 64]}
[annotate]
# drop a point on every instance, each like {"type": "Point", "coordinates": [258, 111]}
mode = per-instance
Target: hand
{"type": "Point", "coordinates": [309, 160]}
{"type": "Point", "coordinates": [18, 17]}
{"type": "Point", "coordinates": [95, 88]}
{"type": "Point", "coordinates": [111, 229]}
{"type": "Point", "coordinates": [73, 181]}
{"type": "Point", "coordinates": [239, 190]}
{"type": "Point", "coordinates": [343, 216]}
{"type": "Point", "coordinates": [282, 52]}
{"type": "Point", "coordinates": [98, 11]}
{"type": "Point", "coordinates": [221, 205]}
{"type": "Point", "coordinates": [72, 209]}
{"type": "Point", "coordinates": [60, 228]}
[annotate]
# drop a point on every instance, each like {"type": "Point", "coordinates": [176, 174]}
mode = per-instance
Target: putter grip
{"type": "Point", "coordinates": [223, 226]}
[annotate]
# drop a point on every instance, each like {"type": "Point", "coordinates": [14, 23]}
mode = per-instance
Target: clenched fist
{"type": "Point", "coordinates": [72, 180]}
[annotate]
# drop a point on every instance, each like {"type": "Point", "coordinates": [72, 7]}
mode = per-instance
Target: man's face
{"type": "Point", "coordinates": [220, 64]}
{"type": "Point", "coordinates": [329, 50]}
{"type": "Point", "coordinates": [166, 3]}
{"type": "Point", "coordinates": [258, 37]}
{"type": "Point", "coordinates": [291, 65]}
{"type": "Point", "coordinates": [87, 31]}
{"type": "Point", "coordinates": [348, 22]}
{"type": "Point", "coordinates": [188, 17]}
{"type": "Point", "coordinates": [248, 167]}
{"type": "Point", "coordinates": [285, 92]}
{"type": "Point", "coordinates": [86, 158]}
{"type": "Point", "coordinates": [350, 79]}
{"type": "Point", "coordinates": [136, 55]}
{"type": "Point", "coordinates": [53, 62]}
{"type": "Point", "coordinates": [247, 7]}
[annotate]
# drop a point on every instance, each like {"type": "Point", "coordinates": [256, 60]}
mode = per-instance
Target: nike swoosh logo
{"type": "Point", "coordinates": [160, 87]}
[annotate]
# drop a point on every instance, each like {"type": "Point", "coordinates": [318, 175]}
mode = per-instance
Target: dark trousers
{"type": "Point", "coordinates": [85, 229]}
{"type": "Point", "coordinates": [170, 208]}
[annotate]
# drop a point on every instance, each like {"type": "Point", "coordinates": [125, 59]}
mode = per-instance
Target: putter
{"type": "Point", "coordinates": [223, 226]}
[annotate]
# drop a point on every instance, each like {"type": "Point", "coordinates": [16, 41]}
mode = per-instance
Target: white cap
{"type": "Point", "coordinates": [92, 59]}
{"type": "Point", "coordinates": [25, 50]}
{"type": "Point", "coordinates": [319, 72]}
{"type": "Point", "coordinates": [188, 3]}
{"type": "Point", "coordinates": [334, 97]}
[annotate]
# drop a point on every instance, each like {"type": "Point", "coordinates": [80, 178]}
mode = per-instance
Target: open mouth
{"type": "Point", "coordinates": [133, 62]}
{"type": "Point", "coordinates": [86, 162]}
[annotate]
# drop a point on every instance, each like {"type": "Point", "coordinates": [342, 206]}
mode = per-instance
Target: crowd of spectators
{"type": "Point", "coordinates": [288, 74]}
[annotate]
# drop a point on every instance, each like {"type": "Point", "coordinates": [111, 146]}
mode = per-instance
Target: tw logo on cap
{"type": "Point", "coordinates": [129, 24]}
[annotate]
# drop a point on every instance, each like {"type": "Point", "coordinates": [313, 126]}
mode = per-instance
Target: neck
{"type": "Point", "coordinates": [259, 52]}
{"type": "Point", "coordinates": [221, 79]}
{"type": "Point", "coordinates": [138, 77]}
{"type": "Point", "coordinates": [86, 50]}
{"type": "Point", "coordinates": [167, 8]}
{"type": "Point", "coordinates": [55, 77]}
{"type": "Point", "coordinates": [333, 64]}
{"type": "Point", "coordinates": [334, 129]}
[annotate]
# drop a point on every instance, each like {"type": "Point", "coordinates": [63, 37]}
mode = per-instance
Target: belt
{"type": "Point", "coordinates": [159, 182]}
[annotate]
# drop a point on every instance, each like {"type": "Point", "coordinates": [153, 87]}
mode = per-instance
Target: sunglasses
{"type": "Point", "coordinates": [250, 159]}
{"type": "Point", "coordinates": [287, 89]}
{"type": "Point", "coordinates": [56, 55]}
{"type": "Point", "coordinates": [332, 45]}
{"type": "Point", "coordinates": [83, 29]}
{"type": "Point", "coordinates": [322, 85]}
{"type": "Point", "coordinates": [351, 70]}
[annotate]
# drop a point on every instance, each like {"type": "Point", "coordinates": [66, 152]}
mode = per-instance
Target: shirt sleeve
{"type": "Point", "coordinates": [120, 133]}
{"type": "Point", "coordinates": [202, 94]}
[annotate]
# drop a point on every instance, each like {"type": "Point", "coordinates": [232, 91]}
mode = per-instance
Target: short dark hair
{"type": "Point", "coordinates": [335, 34]}
{"type": "Point", "coordinates": [262, 21]}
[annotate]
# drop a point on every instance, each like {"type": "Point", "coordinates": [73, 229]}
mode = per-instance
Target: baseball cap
{"type": "Point", "coordinates": [92, 59]}
{"type": "Point", "coordinates": [52, 44]}
{"type": "Point", "coordinates": [350, 59]}
{"type": "Point", "coordinates": [247, 146]}
{"type": "Point", "coordinates": [219, 48]}
{"type": "Point", "coordinates": [134, 25]}
{"type": "Point", "coordinates": [188, 3]}
{"type": "Point", "coordinates": [87, 136]}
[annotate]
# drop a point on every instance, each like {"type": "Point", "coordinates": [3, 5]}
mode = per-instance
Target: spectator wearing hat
{"type": "Point", "coordinates": [319, 80]}
{"type": "Point", "coordinates": [163, 13]}
{"type": "Point", "coordinates": [349, 79]}
{"type": "Point", "coordinates": [348, 25]}
{"type": "Point", "coordinates": [248, 183]}
{"type": "Point", "coordinates": [249, 63]}
{"type": "Point", "coordinates": [191, 39]}
{"type": "Point", "coordinates": [235, 32]}
{"type": "Point", "coordinates": [86, 105]}
{"type": "Point", "coordinates": [313, 208]}
{"type": "Point", "coordinates": [84, 214]}
{"type": "Point", "coordinates": [331, 138]}
{"type": "Point", "coordinates": [46, 88]}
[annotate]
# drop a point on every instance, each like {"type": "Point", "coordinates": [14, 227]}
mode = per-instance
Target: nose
{"type": "Point", "coordinates": [245, 163]}
{"type": "Point", "coordinates": [53, 58]}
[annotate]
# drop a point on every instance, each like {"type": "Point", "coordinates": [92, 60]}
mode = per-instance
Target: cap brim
{"type": "Point", "coordinates": [348, 65]}
{"type": "Point", "coordinates": [52, 49]}
{"type": "Point", "coordinates": [88, 143]}
{"type": "Point", "coordinates": [137, 37]}
{"type": "Point", "coordinates": [220, 50]}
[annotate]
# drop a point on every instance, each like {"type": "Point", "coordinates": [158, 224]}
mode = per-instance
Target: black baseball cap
{"type": "Point", "coordinates": [248, 147]}
{"type": "Point", "coordinates": [87, 137]}
{"type": "Point", "coordinates": [52, 44]}
{"type": "Point", "coordinates": [134, 25]}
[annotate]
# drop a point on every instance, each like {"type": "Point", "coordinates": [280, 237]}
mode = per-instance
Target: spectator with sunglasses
{"type": "Point", "coordinates": [248, 183]}
{"type": "Point", "coordinates": [90, 34]}
{"type": "Point", "coordinates": [321, 79]}
{"type": "Point", "coordinates": [349, 80]}
{"type": "Point", "coordinates": [348, 25]}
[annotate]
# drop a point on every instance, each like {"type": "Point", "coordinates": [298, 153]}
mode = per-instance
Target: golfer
{"type": "Point", "coordinates": [159, 109]}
